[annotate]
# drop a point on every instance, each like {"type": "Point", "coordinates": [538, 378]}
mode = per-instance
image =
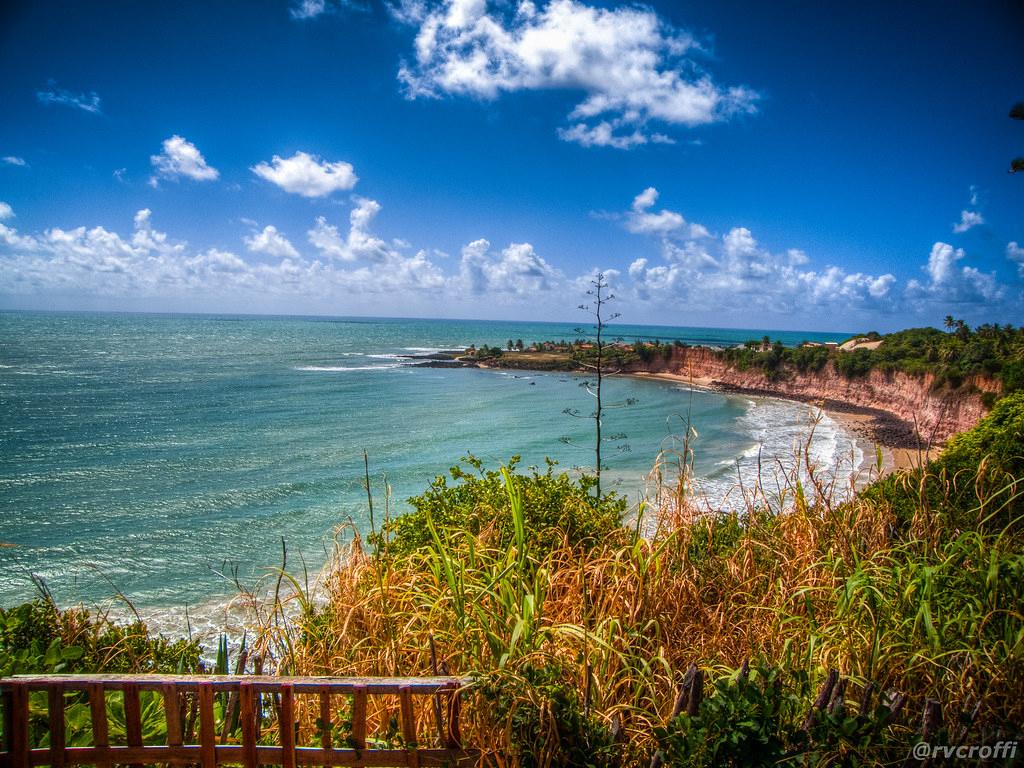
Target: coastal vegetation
{"type": "Point", "coordinates": [952, 358]}
{"type": "Point", "coordinates": [991, 351]}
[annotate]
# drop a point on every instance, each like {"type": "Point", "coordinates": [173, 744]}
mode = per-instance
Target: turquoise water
{"type": "Point", "coordinates": [157, 455]}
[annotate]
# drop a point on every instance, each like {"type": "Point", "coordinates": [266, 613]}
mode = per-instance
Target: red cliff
{"type": "Point", "coordinates": [936, 414]}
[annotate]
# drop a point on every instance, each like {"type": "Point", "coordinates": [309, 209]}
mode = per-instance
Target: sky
{"type": "Point", "coordinates": [789, 165]}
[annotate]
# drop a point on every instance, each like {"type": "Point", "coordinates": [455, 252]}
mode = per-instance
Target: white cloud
{"type": "Point", "coordinates": [968, 219]}
{"type": "Point", "coordinates": [518, 270]}
{"type": "Point", "coordinates": [735, 272]}
{"type": "Point", "coordinates": [13, 160]}
{"type": "Point", "coordinates": [306, 175]}
{"type": "Point", "coordinates": [1015, 253]}
{"type": "Point", "coordinates": [98, 262]}
{"type": "Point", "coordinates": [308, 9]}
{"type": "Point", "coordinates": [880, 286]}
{"type": "Point", "coordinates": [87, 102]}
{"type": "Point", "coordinates": [180, 157]}
{"type": "Point", "coordinates": [603, 135]}
{"type": "Point", "coordinates": [629, 65]}
{"type": "Point", "coordinates": [942, 261]}
{"type": "Point", "coordinates": [641, 220]}
{"type": "Point", "coordinates": [6, 212]}
{"type": "Point", "coordinates": [797, 258]}
{"type": "Point", "coordinates": [950, 283]}
{"type": "Point", "coordinates": [358, 243]}
{"type": "Point", "coordinates": [271, 243]}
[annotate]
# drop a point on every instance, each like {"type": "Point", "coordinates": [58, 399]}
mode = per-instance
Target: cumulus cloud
{"type": "Point", "coordinates": [6, 212]}
{"type": "Point", "coordinates": [641, 219]}
{"type": "Point", "coordinates": [87, 102]}
{"type": "Point", "coordinates": [735, 271]}
{"type": "Point", "coordinates": [518, 270]}
{"type": "Point", "coordinates": [307, 175]}
{"type": "Point", "coordinates": [968, 220]}
{"type": "Point", "coordinates": [180, 158]}
{"type": "Point", "coordinates": [148, 263]}
{"type": "Point", "coordinates": [629, 66]}
{"type": "Point", "coordinates": [1015, 253]}
{"type": "Point", "coordinates": [270, 242]}
{"type": "Point", "coordinates": [358, 243]}
{"type": "Point", "coordinates": [13, 160]}
{"type": "Point", "coordinates": [951, 283]}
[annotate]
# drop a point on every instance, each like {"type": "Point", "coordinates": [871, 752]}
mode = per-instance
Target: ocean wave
{"type": "Point", "coordinates": [785, 436]}
{"type": "Point", "coordinates": [345, 368]}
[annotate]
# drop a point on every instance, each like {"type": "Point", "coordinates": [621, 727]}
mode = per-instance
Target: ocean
{"type": "Point", "coordinates": [162, 457]}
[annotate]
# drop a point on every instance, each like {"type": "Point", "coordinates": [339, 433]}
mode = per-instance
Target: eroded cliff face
{"type": "Point", "coordinates": [934, 415]}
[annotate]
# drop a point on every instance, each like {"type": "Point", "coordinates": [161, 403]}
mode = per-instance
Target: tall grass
{"type": "Point", "coordinates": [604, 625]}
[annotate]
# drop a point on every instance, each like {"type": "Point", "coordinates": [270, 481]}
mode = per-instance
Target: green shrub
{"type": "Point", "coordinates": [36, 637]}
{"type": "Point", "coordinates": [557, 509]}
{"type": "Point", "coordinates": [759, 721]}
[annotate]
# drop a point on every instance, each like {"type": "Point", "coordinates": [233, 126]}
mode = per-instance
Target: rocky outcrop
{"type": "Point", "coordinates": [928, 415]}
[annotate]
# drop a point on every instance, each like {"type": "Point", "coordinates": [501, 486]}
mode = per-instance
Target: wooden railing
{"type": "Point", "coordinates": [246, 705]}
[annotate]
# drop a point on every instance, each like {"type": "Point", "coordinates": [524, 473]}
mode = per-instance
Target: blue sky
{"type": "Point", "coordinates": [792, 165]}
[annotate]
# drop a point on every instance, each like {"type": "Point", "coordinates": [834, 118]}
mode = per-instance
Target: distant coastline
{"type": "Point", "coordinates": [909, 416]}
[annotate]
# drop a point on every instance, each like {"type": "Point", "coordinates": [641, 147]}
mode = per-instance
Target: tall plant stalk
{"type": "Point", "coordinates": [599, 299]}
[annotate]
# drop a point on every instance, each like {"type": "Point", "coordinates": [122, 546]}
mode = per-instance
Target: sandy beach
{"type": "Point", "coordinates": [870, 428]}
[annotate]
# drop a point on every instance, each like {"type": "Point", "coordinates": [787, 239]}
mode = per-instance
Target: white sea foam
{"type": "Point", "coordinates": [345, 368]}
{"type": "Point", "coordinates": [434, 350]}
{"type": "Point", "coordinates": [786, 436]}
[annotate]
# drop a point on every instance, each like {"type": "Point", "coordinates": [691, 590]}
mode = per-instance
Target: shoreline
{"type": "Point", "coordinates": [872, 429]}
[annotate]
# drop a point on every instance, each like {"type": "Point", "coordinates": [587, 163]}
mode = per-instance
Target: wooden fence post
{"type": "Point", "coordinates": [247, 715]}
{"type": "Point", "coordinates": [55, 705]}
{"type": "Point", "coordinates": [409, 725]}
{"type": "Point", "coordinates": [359, 717]}
{"type": "Point", "coordinates": [20, 757]}
{"type": "Point", "coordinates": [207, 737]}
{"type": "Point", "coordinates": [286, 726]}
{"type": "Point", "coordinates": [132, 717]}
{"type": "Point", "coordinates": [100, 729]}
{"type": "Point", "coordinates": [172, 714]}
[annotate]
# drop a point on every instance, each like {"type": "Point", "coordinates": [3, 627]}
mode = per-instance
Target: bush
{"type": "Point", "coordinates": [36, 637]}
{"type": "Point", "coordinates": [557, 510]}
{"type": "Point", "coordinates": [760, 721]}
